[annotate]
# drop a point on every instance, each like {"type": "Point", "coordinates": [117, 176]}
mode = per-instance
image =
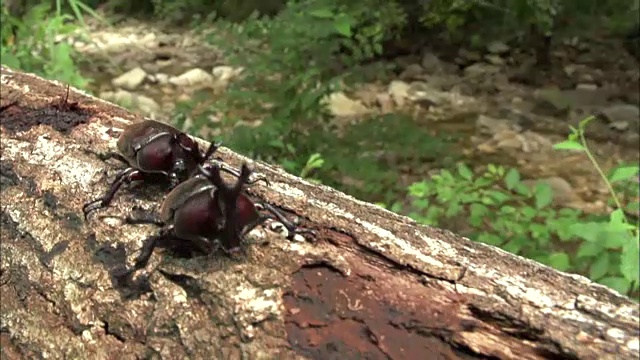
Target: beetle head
{"type": "Point", "coordinates": [237, 211]}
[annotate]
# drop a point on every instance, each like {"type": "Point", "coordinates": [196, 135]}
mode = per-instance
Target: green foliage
{"type": "Point", "coordinates": [293, 60]}
{"type": "Point", "coordinates": [504, 19]}
{"type": "Point", "coordinates": [78, 8]}
{"type": "Point", "coordinates": [290, 64]}
{"type": "Point", "coordinates": [314, 162]}
{"type": "Point", "coordinates": [618, 234]}
{"type": "Point", "coordinates": [30, 44]}
{"type": "Point", "coordinates": [500, 210]}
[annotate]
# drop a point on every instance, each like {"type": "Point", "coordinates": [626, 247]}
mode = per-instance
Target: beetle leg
{"type": "Point", "coordinates": [108, 155]}
{"type": "Point", "coordinates": [143, 257]}
{"type": "Point", "coordinates": [125, 177]}
{"type": "Point", "coordinates": [147, 218]}
{"type": "Point", "coordinates": [113, 155]}
{"type": "Point", "coordinates": [292, 229]}
{"type": "Point", "coordinates": [247, 229]}
{"type": "Point", "coordinates": [173, 180]}
{"type": "Point", "coordinates": [203, 245]}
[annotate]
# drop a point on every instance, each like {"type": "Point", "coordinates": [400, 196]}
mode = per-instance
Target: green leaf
{"type": "Point", "coordinates": [589, 231]}
{"type": "Point", "coordinates": [559, 261]}
{"type": "Point", "coordinates": [569, 145]}
{"type": "Point", "coordinates": [507, 210]}
{"type": "Point", "coordinates": [523, 189]}
{"type": "Point", "coordinates": [540, 232]}
{"type": "Point", "coordinates": [617, 283]}
{"type": "Point", "coordinates": [618, 218]}
{"type": "Point", "coordinates": [624, 173]}
{"type": "Point", "coordinates": [445, 194]}
{"type": "Point", "coordinates": [583, 123]}
{"type": "Point", "coordinates": [465, 172]}
{"type": "Point", "coordinates": [562, 228]}
{"type": "Point", "coordinates": [433, 215]}
{"type": "Point", "coordinates": [600, 267]}
{"type": "Point", "coordinates": [512, 178]}
{"type": "Point", "coordinates": [478, 210]}
{"type": "Point", "coordinates": [453, 209]}
{"type": "Point", "coordinates": [482, 182]}
{"type": "Point", "coordinates": [543, 194]}
{"type": "Point", "coordinates": [528, 212]}
{"type": "Point", "coordinates": [499, 196]}
{"type": "Point", "coordinates": [589, 249]}
{"type": "Point", "coordinates": [342, 25]}
{"type": "Point", "coordinates": [421, 204]}
{"type": "Point", "coordinates": [490, 239]}
{"type": "Point", "coordinates": [630, 261]}
{"type": "Point", "coordinates": [615, 238]}
{"type": "Point", "coordinates": [321, 13]}
{"type": "Point", "coordinates": [419, 189]}
{"type": "Point", "coordinates": [514, 246]}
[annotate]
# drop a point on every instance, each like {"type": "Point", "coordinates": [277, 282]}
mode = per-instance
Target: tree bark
{"type": "Point", "coordinates": [374, 285]}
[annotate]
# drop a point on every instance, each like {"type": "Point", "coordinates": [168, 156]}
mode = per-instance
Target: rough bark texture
{"type": "Point", "coordinates": [375, 285]}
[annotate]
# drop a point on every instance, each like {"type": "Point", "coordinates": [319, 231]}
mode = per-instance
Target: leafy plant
{"type": "Point", "coordinates": [498, 208]}
{"type": "Point", "coordinates": [290, 65]}
{"type": "Point", "coordinates": [611, 246]}
{"type": "Point", "coordinates": [31, 44]}
{"type": "Point", "coordinates": [314, 162]}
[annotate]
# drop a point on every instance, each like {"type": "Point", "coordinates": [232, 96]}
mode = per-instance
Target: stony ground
{"type": "Point", "coordinates": [510, 113]}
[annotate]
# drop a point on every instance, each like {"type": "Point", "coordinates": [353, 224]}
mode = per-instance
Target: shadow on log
{"type": "Point", "coordinates": [375, 285]}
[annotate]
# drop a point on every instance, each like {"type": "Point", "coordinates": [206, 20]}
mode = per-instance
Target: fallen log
{"type": "Point", "coordinates": [374, 285]}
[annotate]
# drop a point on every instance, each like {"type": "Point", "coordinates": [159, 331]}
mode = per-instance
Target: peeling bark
{"type": "Point", "coordinates": [374, 285]}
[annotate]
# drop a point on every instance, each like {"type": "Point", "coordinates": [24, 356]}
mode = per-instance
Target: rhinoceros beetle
{"type": "Point", "coordinates": [154, 150]}
{"type": "Point", "coordinates": [204, 214]}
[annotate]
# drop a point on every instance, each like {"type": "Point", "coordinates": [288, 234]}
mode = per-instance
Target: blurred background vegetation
{"type": "Point", "coordinates": [322, 45]}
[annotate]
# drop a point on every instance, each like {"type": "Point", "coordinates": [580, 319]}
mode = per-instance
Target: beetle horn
{"type": "Point", "coordinates": [213, 147]}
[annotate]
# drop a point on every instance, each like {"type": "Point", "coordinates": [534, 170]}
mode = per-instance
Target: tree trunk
{"type": "Point", "coordinates": [374, 285]}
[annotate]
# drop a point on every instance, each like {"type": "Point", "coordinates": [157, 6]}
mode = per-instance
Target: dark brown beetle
{"type": "Point", "coordinates": [154, 150]}
{"type": "Point", "coordinates": [204, 213]}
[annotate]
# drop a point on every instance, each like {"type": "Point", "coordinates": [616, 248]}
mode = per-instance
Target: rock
{"type": "Point", "coordinates": [494, 60]}
{"type": "Point", "coordinates": [412, 72]}
{"type": "Point", "coordinates": [490, 126]}
{"type": "Point", "coordinates": [509, 140]}
{"type": "Point", "coordinates": [467, 56]}
{"type": "Point", "coordinates": [225, 73]}
{"type": "Point", "coordinates": [497, 47]}
{"type": "Point", "coordinates": [586, 78]}
{"type": "Point", "coordinates": [587, 87]}
{"type": "Point", "coordinates": [162, 78]}
{"type": "Point", "coordinates": [563, 192]}
{"type": "Point", "coordinates": [552, 102]}
{"type": "Point", "coordinates": [555, 102]}
{"type": "Point", "coordinates": [480, 69]}
{"type": "Point", "coordinates": [619, 125]}
{"type": "Point", "coordinates": [341, 105]}
{"type": "Point", "coordinates": [144, 104]}
{"type": "Point", "coordinates": [426, 95]}
{"type": "Point", "coordinates": [431, 64]}
{"type": "Point", "coordinates": [130, 80]}
{"type": "Point", "coordinates": [385, 102]}
{"type": "Point", "coordinates": [399, 91]}
{"type": "Point", "coordinates": [192, 77]}
{"type": "Point", "coordinates": [367, 94]}
{"type": "Point", "coordinates": [622, 112]}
